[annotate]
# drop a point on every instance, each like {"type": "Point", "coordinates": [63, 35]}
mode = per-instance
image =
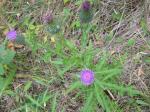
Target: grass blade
{"type": "Point", "coordinates": [54, 104]}
{"type": "Point", "coordinates": [74, 86]}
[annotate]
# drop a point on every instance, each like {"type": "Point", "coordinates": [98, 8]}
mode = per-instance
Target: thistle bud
{"type": "Point", "coordinates": [47, 17]}
{"type": "Point", "coordinates": [85, 13]}
{"type": "Point", "coordinates": [54, 26]}
{"type": "Point", "coordinates": [86, 5]}
{"type": "Point", "coordinates": [20, 40]}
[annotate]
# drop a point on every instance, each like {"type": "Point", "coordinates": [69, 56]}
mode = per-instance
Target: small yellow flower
{"type": "Point", "coordinates": [53, 39]}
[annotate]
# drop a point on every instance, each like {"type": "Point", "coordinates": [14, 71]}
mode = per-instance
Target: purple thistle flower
{"type": "Point", "coordinates": [11, 35]}
{"type": "Point", "coordinates": [47, 17]}
{"type": "Point", "coordinates": [86, 5]}
{"type": "Point", "coordinates": [87, 77]}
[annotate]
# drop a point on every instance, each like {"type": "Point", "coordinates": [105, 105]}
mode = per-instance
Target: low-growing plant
{"type": "Point", "coordinates": [7, 68]}
{"type": "Point", "coordinates": [96, 71]}
{"type": "Point", "coordinates": [99, 84]}
{"type": "Point", "coordinates": [6, 57]}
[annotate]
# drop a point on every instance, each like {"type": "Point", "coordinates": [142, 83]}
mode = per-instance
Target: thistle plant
{"type": "Point", "coordinates": [86, 13]}
{"type": "Point", "coordinates": [85, 16]}
{"type": "Point", "coordinates": [96, 82]}
{"type": "Point", "coordinates": [7, 68]}
{"type": "Point", "coordinates": [47, 17]}
{"type": "Point", "coordinates": [99, 82]}
{"type": "Point", "coordinates": [52, 24]}
{"type": "Point", "coordinates": [13, 36]}
{"type": "Point", "coordinates": [54, 27]}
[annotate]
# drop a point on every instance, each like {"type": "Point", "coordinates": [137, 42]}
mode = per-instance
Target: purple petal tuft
{"type": "Point", "coordinates": [87, 77]}
{"type": "Point", "coordinates": [86, 5]}
{"type": "Point", "coordinates": [47, 17]}
{"type": "Point", "coordinates": [11, 35]}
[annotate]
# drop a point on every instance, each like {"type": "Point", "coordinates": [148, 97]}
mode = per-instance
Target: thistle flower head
{"type": "Point", "coordinates": [86, 12]}
{"type": "Point", "coordinates": [86, 5]}
{"type": "Point", "coordinates": [87, 77]}
{"type": "Point", "coordinates": [47, 17]}
{"type": "Point", "coordinates": [54, 26]}
{"type": "Point", "coordinates": [11, 35]}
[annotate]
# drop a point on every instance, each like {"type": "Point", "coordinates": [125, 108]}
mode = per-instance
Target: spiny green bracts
{"type": "Point", "coordinates": [86, 13]}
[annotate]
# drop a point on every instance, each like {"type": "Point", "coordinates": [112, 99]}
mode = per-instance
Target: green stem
{"type": "Point", "coordinates": [84, 35]}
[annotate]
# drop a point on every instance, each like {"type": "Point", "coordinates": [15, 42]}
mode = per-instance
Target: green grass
{"type": "Point", "coordinates": [37, 77]}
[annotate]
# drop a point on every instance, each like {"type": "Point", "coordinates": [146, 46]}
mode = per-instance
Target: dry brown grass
{"type": "Point", "coordinates": [136, 72]}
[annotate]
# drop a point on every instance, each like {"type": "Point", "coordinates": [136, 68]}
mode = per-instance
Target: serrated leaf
{"type": "Point", "coordinates": [8, 56]}
{"type": "Point", "coordinates": [101, 63]}
{"type": "Point", "coordinates": [88, 104]}
{"type": "Point", "coordinates": [112, 75]}
{"type": "Point", "coordinates": [120, 88]}
{"type": "Point", "coordinates": [109, 73]}
{"type": "Point", "coordinates": [100, 98]}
